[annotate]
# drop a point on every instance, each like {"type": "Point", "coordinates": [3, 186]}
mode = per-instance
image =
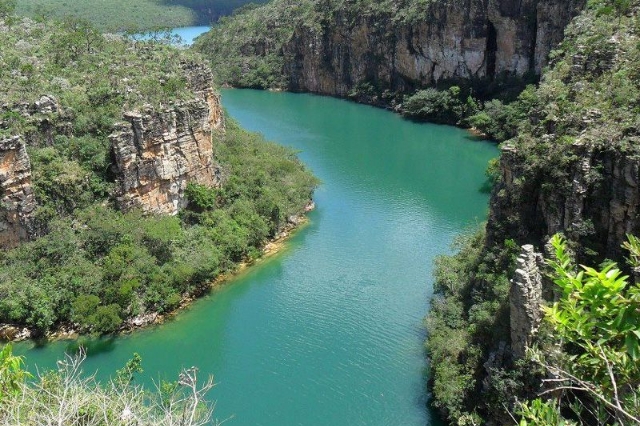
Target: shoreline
{"type": "Point", "coordinates": [391, 107]}
{"type": "Point", "coordinates": [10, 333]}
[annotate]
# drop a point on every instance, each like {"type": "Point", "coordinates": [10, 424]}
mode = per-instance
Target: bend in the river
{"type": "Point", "coordinates": [330, 331]}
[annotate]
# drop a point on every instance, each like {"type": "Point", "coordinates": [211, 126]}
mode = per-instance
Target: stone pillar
{"type": "Point", "coordinates": [525, 298]}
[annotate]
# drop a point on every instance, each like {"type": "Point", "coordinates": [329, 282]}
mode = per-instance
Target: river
{"type": "Point", "coordinates": [328, 332]}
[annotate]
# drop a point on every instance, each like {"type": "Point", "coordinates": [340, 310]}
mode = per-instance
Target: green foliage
{"type": "Point", "coordinates": [438, 106]}
{"type": "Point", "coordinates": [7, 7]}
{"type": "Point", "coordinates": [539, 413]}
{"type": "Point", "coordinates": [12, 373]}
{"type": "Point", "coordinates": [133, 366]}
{"type": "Point", "coordinates": [247, 49]}
{"type": "Point", "coordinates": [96, 267]}
{"type": "Point", "coordinates": [141, 15]}
{"type": "Point", "coordinates": [597, 321]}
{"type": "Point", "coordinates": [598, 312]}
{"type": "Point", "coordinates": [201, 197]}
{"type": "Point", "coordinates": [467, 319]}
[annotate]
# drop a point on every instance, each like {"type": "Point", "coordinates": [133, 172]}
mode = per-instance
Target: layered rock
{"type": "Point", "coordinates": [525, 298]}
{"type": "Point", "coordinates": [157, 153]}
{"type": "Point", "coordinates": [17, 202]}
{"type": "Point", "coordinates": [597, 206]}
{"type": "Point", "coordinates": [460, 40]}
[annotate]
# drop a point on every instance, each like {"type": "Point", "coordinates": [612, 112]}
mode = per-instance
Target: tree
{"type": "Point", "coordinates": [12, 373]}
{"type": "Point", "coordinates": [7, 7]}
{"type": "Point", "coordinates": [597, 321]}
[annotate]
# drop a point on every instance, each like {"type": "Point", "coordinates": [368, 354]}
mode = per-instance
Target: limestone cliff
{"type": "Point", "coordinates": [16, 193]}
{"type": "Point", "coordinates": [158, 152]}
{"type": "Point", "coordinates": [449, 40]}
{"type": "Point", "coordinates": [598, 205]}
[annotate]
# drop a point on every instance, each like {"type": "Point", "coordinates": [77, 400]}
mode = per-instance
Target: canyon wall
{"type": "Point", "coordinates": [17, 200]}
{"type": "Point", "coordinates": [158, 152]}
{"type": "Point", "coordinates": [597, 205]}
{"type": "Point", "coordinates": [453, 40]}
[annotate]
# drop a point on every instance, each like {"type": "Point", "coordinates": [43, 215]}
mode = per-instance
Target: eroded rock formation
{"type": "Point", "coordinates": [597, 206]}
{"type": "Point", "coordinates": [17, 202]}
{"type": "Point", "coordinates": [157, 153]}
{"type": "Point", "coordinates": [525, 298]}
{"type": "Point", "coordinates": [464, 39]}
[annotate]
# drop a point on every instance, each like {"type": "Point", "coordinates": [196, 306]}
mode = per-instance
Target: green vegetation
{"type": "Point", "coordinates": [69, 397]}
{"type": "Point", "coordinates": [95, 266]}
{"type": "Point", "coordinates": [597, 322]}
{"type": "Point", "coordinates": [587, 101]}
{"type": "Point", "coordinates": [469, 317]}
{"type": "Point", "coordinates": [439, 106]}
{"type": "Point", "coordinates": [141, 15]}
{"type": "Point", "coordinates": [586, 359]}
{"type": "Point", "coordinates": [246, 49]}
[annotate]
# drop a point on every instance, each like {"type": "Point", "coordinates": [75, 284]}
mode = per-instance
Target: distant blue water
{"type": "Point", "coordinates": [187, 34]}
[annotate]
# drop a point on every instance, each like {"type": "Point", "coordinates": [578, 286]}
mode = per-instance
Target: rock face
{"type": "Point", "coordinates": [597, 207]}
{"type": "Point", "coordinates": [157, 153]}
{"type": "Point", "coordinates": [451, 40]}
{"type": "Point", "coordinates": [525, 297]}
{"type": "Point", "coordinates": [18, 202]}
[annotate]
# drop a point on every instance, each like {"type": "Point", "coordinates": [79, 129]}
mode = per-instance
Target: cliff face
{"type": "Point", "coordinates": [17, 201]}
{"type": "Point", "coordinates": [467, 39]}
{"type": "Point", "coordinates": [597, 206]}
{"type": "Point", "coordinates": [574, 167]}
{"type": "Point", "coordinates": [157, 153]}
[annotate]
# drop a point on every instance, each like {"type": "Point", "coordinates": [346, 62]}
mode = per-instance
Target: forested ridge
{"type": "Point", "coordinates": [123, 15]}
{"type": "Point", "coordinates": [93, 267]}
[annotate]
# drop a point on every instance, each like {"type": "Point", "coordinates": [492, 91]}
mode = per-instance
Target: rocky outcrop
{"type": "Point", "coordinates": [157, 153]}
{"type": "Point", "coordinates": [594, 199]}
{"type": "Point", "coordinates": [452, 40]}
{"type": "Point", "coordinates": [17, 202]}
{"type": "Point", "coordinates": [525, 298]}
{"type": "Point", "coordinates": [42, 117]}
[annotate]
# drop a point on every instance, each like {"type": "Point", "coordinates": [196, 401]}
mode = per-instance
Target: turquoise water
{"type": "Point", "coordinates": [328, 332]}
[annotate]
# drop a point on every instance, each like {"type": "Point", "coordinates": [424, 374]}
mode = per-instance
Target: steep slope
{"type": "Point", "coordinates": [574, 165]}
{"type": "Point", "coordinates": [367, 49]}
{"type": "Point", "coordinates": [125, 192]}
{"type": "Point", "coordinates": [572, 168]}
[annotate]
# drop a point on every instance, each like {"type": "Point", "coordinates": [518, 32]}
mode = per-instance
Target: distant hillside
{"type": "Point", "coordinates": [121, 15]}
